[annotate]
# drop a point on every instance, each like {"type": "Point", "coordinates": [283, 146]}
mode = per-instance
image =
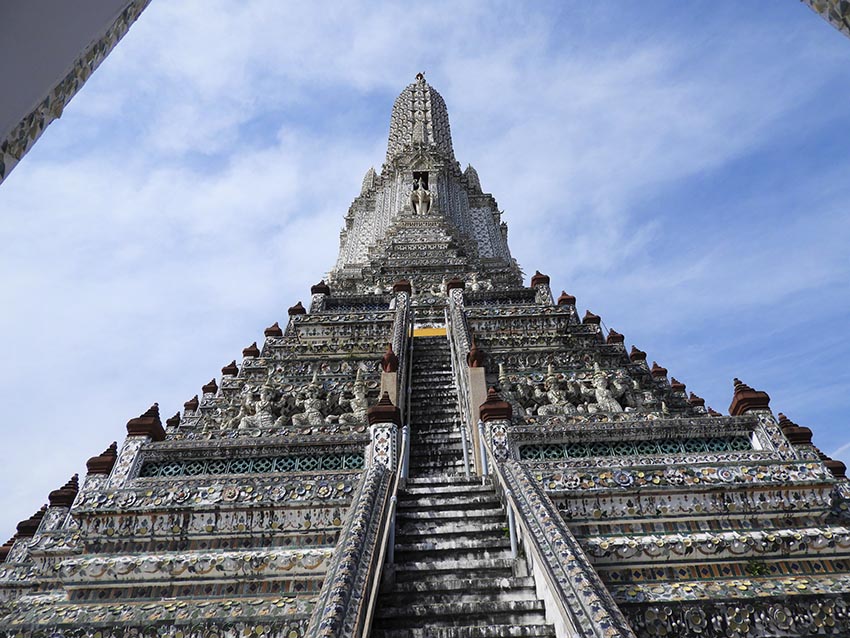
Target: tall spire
{"type": "Point", "coordinates": [419, 117]}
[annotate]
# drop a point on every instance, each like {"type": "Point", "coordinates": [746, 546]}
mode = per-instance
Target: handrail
{"type": "Point", "coordinates": [386, 554]}
{"type": "Point", "coordinates": [463, 396]}
{"type": "Point", "coordinates": [548, 573]}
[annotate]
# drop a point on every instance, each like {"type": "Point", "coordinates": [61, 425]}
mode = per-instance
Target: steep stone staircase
{"type": "Point", "coordinates": [453, 574]}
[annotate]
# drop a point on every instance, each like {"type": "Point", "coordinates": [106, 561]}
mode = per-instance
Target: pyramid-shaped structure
{"type": "Point", "coordinates": [430, 447]}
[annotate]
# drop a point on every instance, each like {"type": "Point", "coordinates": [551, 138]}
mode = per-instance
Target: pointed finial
{"type": "Point", "coordinates": [192, 404]}
{"type": "Point", "coordinates": [28, 527]}
{"type": "Point", "coordinates": [538, 279]}
{"type": "Point", "coordinates": [231, 369]}
{"type": "Point", "coordinates": [389, 362]}
{"type": "Point", "coordinates": [566, 300]}
{"type": "Point", "coordinates": [495, 408]}
{"type": "Point", "coordinates": [657, 371]}
{"type": "Point", "coordinates": [383, 411]}
{"type": "Point", "coordinates": [614, 337]}
{"type": "Point", "coordinates": [475, 356]}
{"type": "Point", "coordinates": [676, 385]}
{"type": "Point", "coordinates": [251, 351]}
{"type": "Point", "coordinates": [697, 402]}
{"type": "Point", "coordinates": [148, 424]}
{"type": "Point", "coordinates": [320, 288]}
{"type": "Point", "coordinates": [273, 330]}
{"type": "Point", "coordinates": [746, 399]}
{"type": "Point", "coordinates": [174, 421]}
{"type": "Point", "coordinates": [210, 388]}
{"type": "Point", "coordinates": [637, 355]}
{"type": "Point", "coordinates": [591, 318]}
{"type": "Point", "coordinates": [297, 309]}
{"type": "Point", "coordinates": [65, 495]}
{"type": "Point", "coordinates": [103, 462]}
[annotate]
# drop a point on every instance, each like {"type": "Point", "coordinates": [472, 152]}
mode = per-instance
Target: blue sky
{"type": "Point", "coordinates": [679, 167]}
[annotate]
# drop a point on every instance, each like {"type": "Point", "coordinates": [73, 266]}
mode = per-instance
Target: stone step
{"type": "Point", "coordinates": [461, 585]}
{"type": "Point", "coordinates": [434, 597]}
{"type": "Point", "coordinates": [490, 515]}
{"type": "Point", "coordinates": [459, 614]}
{"type": "Point", "coordinates": [436, 529]}
{"type": "Point", "coordinates": [442, 502]}
{"type": "Point", "coordinates": [436, 570]}
{"type": "Point", "coordinates": [416, 489]}
{"type": "Point", "coordinates": [475, 631]}
{"type": "Point", "coordinates": [440, 438]}
{"type": "Point", "coordinates": [454, 549]}
{"type": "Point", "coordinates": [448, 479]}
{"type": "Point", "coordinates": [419, 466]}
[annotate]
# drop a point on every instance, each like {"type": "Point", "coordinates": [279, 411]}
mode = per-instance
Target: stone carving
{"type": "Point", "coordinates": [420, 198]}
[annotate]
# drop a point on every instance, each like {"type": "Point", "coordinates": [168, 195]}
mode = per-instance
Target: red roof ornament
{"type": "Point", "coordinates": [566, 300]}
{"type": "Point", "coordinates": [192, 404]}
{"type": "Point", "coordinates": [174, 421]}
{"type": "Point", "coordinates": [389, 362]}
{"type": "Point", "coordinates": [28, 527]}
{"type": "Point", "coordinates": [103, 462]}
{"type": "Point", "coordinates": [614, 337]}
{"type": "Point", "coordinates": [273, 330]}
{"type": "Point", "coordinates": [383, 412]}
{"type": "Point", "coordinates": [6, 547]}
{"type": "Point", "coordinates": [538, 279]}
{"type": "Point", "coordinates": [658, 371]}
{"type": "Point", "coordinates": [65, 495]}
{"type": "Point", "coordinates": [590, 318]}
{"type": "Point", "coordinates": [796, 435]}
{"type": "Point", "coordinates": [475, 356]}
{"type": "Point", "coordinates": [210, 388]}
{"type": "Point", "coordinates": [231, 369]}
{"type": "Point", "coordinates": [297, 309]}
{"type": "Point", "coordinates": [637, 355]}
{"type": "Point", "coordinates": [495, 408]}
{"type": "Point", "coordinates": [746, 399]}
{"type": "Point", "coordinates": [676, 385]}
{"type": "Point", "coordinates": [696, 401]}
{"type": "Point", "coordinates": [251, 351]}
{"type": "Point", "coordinates": [320, 288]}
{"type": "Point", "coordinates": [455, 282]}
{"type": "Point", "coordinates": [402, 285]}
{"type": "Point", "coordinates": [148, 424]}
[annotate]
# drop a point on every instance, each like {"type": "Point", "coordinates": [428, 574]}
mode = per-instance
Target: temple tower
{"type": "Point", "coordinates": [430, 447]}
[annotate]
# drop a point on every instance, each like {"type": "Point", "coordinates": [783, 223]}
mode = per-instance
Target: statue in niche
{"type": "Point", "coordinates": [311, 404]}
{"type": "Point", "coordinates": [509, 393]}
{"type": "Point", "coordinates": [420, 198]}
{"type": "Point", "coordinates": [419, 123]}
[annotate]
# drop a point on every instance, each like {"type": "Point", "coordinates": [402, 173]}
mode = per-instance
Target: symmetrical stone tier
{"type": "Point", "coordinates": [354, 473]}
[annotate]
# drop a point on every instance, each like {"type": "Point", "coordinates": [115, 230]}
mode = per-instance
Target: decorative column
{"type": "Point", "coordinates": [477, 396]}
{"type": "Point", "coordinates": [140, 430]}
{"type": "Point", "coordinates": [389, 374]}
{"type": "Point", "coordinates": [496, 414]}
{"type": "Point", "coordinates": [542, 292]}
{"type": "Point", "coordinates": [384, 420]}
{"type": "Point", "coordinates": [318, 294]}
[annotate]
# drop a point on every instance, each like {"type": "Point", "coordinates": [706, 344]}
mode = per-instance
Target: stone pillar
{"type": "Point", "coordinates": [384, 420]}
{"type": "Point", "coordinates": [496, 415]}
{"type": "Point", "coordinates": [477, 395]}
{"type": "Point", "coordinates": [543, 294]}
{"type": "Point", "coordinates": [318, 294]}
{"type": "Point", "coordinates": [140, 430]}
{"type": "Point", "coordinates": [389, 374]}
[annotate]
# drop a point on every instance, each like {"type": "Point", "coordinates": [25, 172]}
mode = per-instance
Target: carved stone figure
{"type": "Point", "coordinates": [311, 404]}
{"type": "Point", "coordinates": [263, 414]}
{"type": "Point", "coordinates": [605, 401]}
{"type": "Point", "coordinates": [559, 403]}
{"type": "Point", "coordinates": [358, 404]}
{"type": "Point", "coordinates": [420, 198]}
